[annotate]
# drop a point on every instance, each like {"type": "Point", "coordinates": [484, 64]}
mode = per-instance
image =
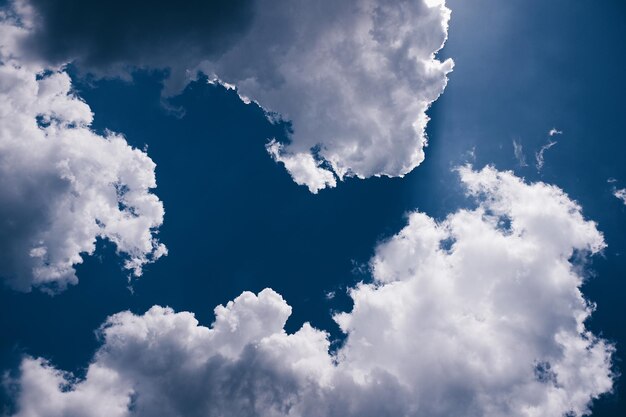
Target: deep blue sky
{"type": "Point", "coordinates": [235, 221]}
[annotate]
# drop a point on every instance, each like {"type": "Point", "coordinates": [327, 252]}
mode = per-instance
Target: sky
{"type": "Point", "coordinates": [388, 232]}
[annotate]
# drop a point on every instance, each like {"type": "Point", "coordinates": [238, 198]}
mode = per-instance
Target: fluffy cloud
{"type": "Point", "coordinates": [62, 185]}
{"type": "Point", "coordinates": [480, 314]}
{"type": "Point", "coordinates": [619, 193]}
{"type": "Point", "coordinates": [539, 155]}
{"type": "Point", "coordinates": [354, 78]}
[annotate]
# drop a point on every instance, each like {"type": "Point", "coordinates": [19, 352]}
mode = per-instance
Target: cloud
{"type": "Point", "coordinates": [620, 193]}
{"type": "Point", "coordinates": [355, 79]}
{"type": "Point", "coordinates": [539, 158]}
{"type": "Point", "coordinates": [62, 185]}
{"type": "Point", "coordinates": [112, 37]}
{"type": "Point", "coordinates": [518, 151]}
{"type": "Point", "coordinates": [479, 314]}
{"type": "Point", "coordinates": [554, 131]}
{"type": "Point", "coordinates": [304, 168]}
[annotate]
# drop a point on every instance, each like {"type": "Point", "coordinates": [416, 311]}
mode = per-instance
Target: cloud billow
{"type": "Point", "coordinates": [355, 79]}
{"type": "Point", "coordinates": [63, 186]}
{"type": "Point", "coordinates": [479, 314]}
{"type": "Point", "coordinates": [113, 36]}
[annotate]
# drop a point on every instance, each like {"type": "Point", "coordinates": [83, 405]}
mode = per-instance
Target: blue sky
{"type": "Point", "coordinates": [235, 220]}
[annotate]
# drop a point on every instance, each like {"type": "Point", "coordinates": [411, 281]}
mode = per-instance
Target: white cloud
{"type": "Point", "coordinates": [304, 169]}
{"type": "Point", "coordinates": [354, 78]}
{"type": "Point", "coordinates": [554, 131]}
{"type": "Point", "coordinates": [518, 151]}
{"type": "Point", "coordinates": [620, 193]}
{"type": "Point", "coordinates": [480, 314]}
{"type": "Point", "coordinates": [63, 185]}
{"type": "Point", "coordinates": [539, 158]}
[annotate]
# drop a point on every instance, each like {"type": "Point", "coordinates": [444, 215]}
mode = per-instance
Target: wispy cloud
{"type": "Point", "coordinates": [518, 151]}
{"type": "Point", "coordinates": [621, 194]}
{"type": "Point", "coordinates": [539, 158]}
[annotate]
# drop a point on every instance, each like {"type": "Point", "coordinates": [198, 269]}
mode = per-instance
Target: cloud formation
{"type": "Point", "coordinates": [539, 155]}
{"type": "Point", "coordinates": [518, 151]}
{"type": "Point", "coordinates": [62, 185]}
{"type": "Point", "coordinates": [355, 79]}
{"type": "Point", "coordinates": [480, 314]}
{"type": "Point", "coordinates": [620, 193]}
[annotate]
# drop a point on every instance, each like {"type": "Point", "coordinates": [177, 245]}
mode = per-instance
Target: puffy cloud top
{"type": "Point", "coordinates": [355, 79]}
{"type": "Point", "coordinates": [480, 314]}
{"type": "Point", "coordinates": [62, 185]}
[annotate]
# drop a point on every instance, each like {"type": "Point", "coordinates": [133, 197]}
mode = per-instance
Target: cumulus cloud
{"type": "Point", "coordinates": [479, 314]}
{"type": "Point", "coordinates": [304, 168]}
{"type": "Point", "coordinates": [619, 193]}
{"type": "Point", "coordinates": [355, 79]}
{"type": "Point", "coordinates": [539, 155]}
{"type": "Point", "coordinates": [62, 185]}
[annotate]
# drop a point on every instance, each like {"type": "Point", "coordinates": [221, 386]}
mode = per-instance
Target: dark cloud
{"type": "Point", "coordinates": [106, 36]}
